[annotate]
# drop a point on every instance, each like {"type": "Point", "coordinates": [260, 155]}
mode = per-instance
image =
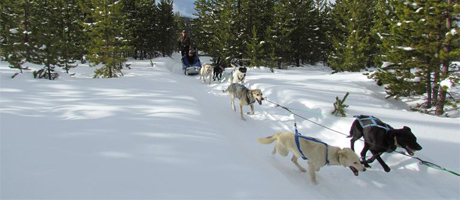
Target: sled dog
{"type": "Point", "coordinates": [239, 74]}
{"type": "Point", "coordinates": [245, 95]}
{"type": "Point", "coordinates": [217, 72]}
{"type": "Point", "coordinates": [318, 154]}
{"type": "Point", "coordinates": [380, 137]}
{"type": "Point", "coordinates": [205, 72]}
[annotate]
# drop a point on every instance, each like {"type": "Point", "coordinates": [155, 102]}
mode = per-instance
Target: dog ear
{"type": "Point", "coordinates": [394, 132]}
{"type": "Point", "coordinates": [406, 128]}
{"type": "Point", "coordinates": [342, 157]}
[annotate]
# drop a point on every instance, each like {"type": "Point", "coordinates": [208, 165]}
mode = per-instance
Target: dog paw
{"type": "Point", "coordinates": [387, 169]}
{"type": "Point", "coordinates": [303, 170]}
{"type": "Point", "coordinates": [250, 113]}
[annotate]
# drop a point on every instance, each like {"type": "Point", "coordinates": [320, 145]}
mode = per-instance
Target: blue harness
{"type": "Point", "coordinates": [373, 121]}
{"type": "Point", "coordinates": [298, 135]}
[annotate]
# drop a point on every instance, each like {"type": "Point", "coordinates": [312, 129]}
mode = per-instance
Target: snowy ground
{"type": "Point", "coordinates": [157, 134]}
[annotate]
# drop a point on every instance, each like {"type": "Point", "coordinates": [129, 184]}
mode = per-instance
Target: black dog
{"type": "Point", "coordinates": [217, 72]}
{"type": "Point", "coordinates": [380, 138]}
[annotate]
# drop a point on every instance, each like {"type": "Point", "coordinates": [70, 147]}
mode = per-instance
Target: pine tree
{"type": "Point", "coordinates": [256, 14]}
{"type": "Point", "coordinates": [202, 26]}
{"type": "Point", "coordinates": [141, 23]}
{"type": "Point", "coordinates": [106, 29]}
{"type": "Point", "coordinates": [414, 49]}
{"type": "Point", "coordinates": [72, 35]}
{"type": "Point", "coordinates": [47, 34]}
{"type": "Point", "coordinates": [399, 53]}
{"type": "Point", "coordinates": [450, 47]}
{"type": "Point", "coordinates": [254, 49]}
{"type": "Point", "coordinates": [12, 34]}
{"type": "Point", "coordinates": [216, 29]}
{"type": "Point", "coordinates": [296, 31]}
{"type": "Point", "coordinates": [322, 23]}
{"type": "Point", "coordinates": [166, 28]}
{"type": "Point", "coordinates": [352, 44]}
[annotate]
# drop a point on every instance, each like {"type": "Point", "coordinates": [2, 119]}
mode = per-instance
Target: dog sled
{"type": "Point", "coordinates": [191, 64]}
{"type": "Point", "coordinates": [191, 70]}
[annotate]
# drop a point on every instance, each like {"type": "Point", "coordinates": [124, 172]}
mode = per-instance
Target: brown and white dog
{"type": "Point", "coordinates": [318, 154]}
{"type": "Point", "coordinates": [245, 95]}
{"type": "Point", "coordinates": [205, 72]}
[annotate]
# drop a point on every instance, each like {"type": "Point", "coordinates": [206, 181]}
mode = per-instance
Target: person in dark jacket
{"type": "Point", "coordinates": [184, 43]}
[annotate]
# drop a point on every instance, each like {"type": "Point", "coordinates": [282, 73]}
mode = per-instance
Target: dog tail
{"type": "Point", "coordinates": [269, 139]}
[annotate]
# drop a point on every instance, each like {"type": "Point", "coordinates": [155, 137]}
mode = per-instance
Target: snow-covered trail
{"type": "Point", "coordinates": [158, 134]}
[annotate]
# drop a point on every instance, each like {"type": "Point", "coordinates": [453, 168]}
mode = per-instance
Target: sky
{"type": "Point", "coordinates": [187, 8]}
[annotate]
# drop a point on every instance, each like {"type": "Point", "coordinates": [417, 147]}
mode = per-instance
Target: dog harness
{"type": "Point", "coordinates": [249, 98]}
{"type": "Point", "coordinates": [298, 135]}
{"type": "Point", "coordinates": [373, 121]}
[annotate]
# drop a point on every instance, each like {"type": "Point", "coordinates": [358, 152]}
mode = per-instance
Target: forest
{"type": "Point", "coordinates": [410, 47]}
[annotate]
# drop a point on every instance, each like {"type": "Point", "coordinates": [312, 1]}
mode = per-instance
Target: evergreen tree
{"type": "Point", "coordinates": [141, 22]}
{"type": "Point", "coordinates": [323, 32]}
{"type": "Point", "coordinates": [254, 49]}
{"type": "Point", "coordinates": [384, 15]}
{"type": "Point", "coordinates": [450, 48]}
{"type": "Point", "coordinates": [106, 29]}
{"type": "Point", "coordinates": [255, 14]}
{"type": "Point", "coordinates": [414, 49]}
{"type": "Point", "coordinates": [202, 25]}
{"type": "Point", "coordinates": [296, 31]}
{"type": "Point", "coordinates": [166, 28]}
{"type": "Point", "coordinates": [71, 34]}
{"type": "Point", "coordinates": [353, 46]}
{"type": "Point", "coordinates": [12, 34]}
{"type": "Point", "coordinates": [216, 29]}
{"type": "Point", "coordinates": [47, 34]}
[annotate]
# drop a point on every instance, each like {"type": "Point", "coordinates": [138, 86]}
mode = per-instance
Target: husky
{"type": "Point", "coordinates": [239, 74]}
{"type": "Point", "coordinates": [317, 153]}
{"type": "Point", "coordinates": [245, 95]}
{"type": "Point", "coordinates": [206, 71]}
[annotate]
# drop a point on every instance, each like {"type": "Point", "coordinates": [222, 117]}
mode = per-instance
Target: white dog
{"type": "Point", "coordinates": [206, 71]}
{"type": "Point", "coordinates": [238, 75]}
{"type": "Point", "coordinates": [317, 153]}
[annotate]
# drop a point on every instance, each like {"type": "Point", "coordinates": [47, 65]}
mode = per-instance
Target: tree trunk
{"type": "Point", "coordinates": [428, 88]}
{"type": "Point", "coordinates": [445, 65]}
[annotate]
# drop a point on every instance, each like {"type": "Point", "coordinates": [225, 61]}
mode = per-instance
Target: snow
{"type": "Point", "coordinates": [447, 83]}
{"type": "Point", "coordinates": [406, 48]}
{"type": "Point", "coordinates": [14, 30]}
{"type": "Point", "coordinates": [157, 134]}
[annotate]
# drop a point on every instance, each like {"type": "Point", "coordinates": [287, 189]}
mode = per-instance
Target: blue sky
{"type": "Point", "coordinates": [185, 7]}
